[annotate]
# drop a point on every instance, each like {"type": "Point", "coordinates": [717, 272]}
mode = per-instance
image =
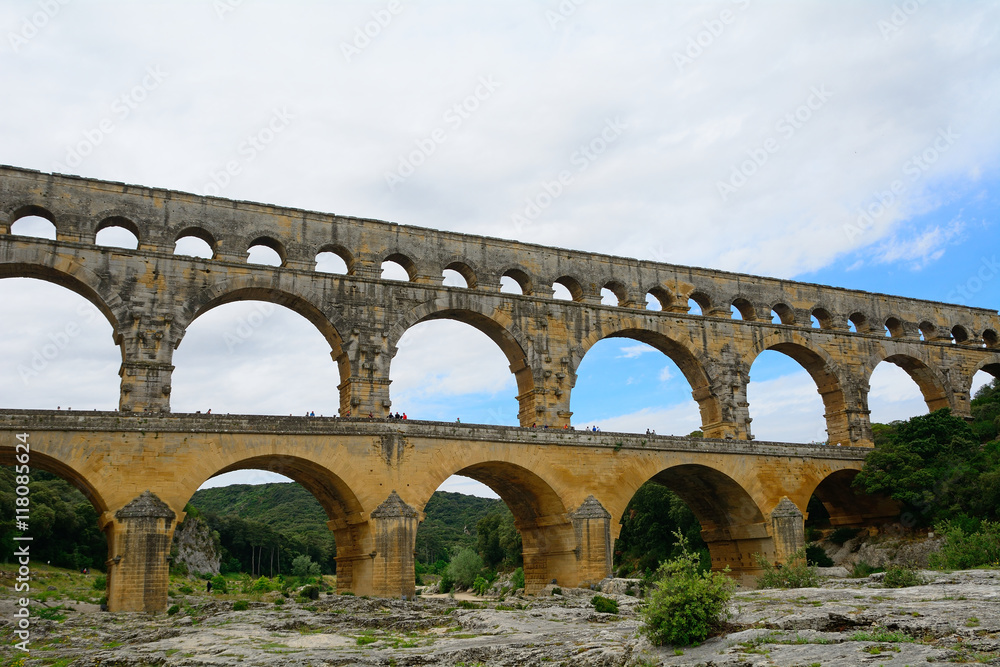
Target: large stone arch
{"type": "Point", "coordinates": [42, 461]}
{"type": "Point", "coordinates": [848, 505]}
{"type": "Point", "coordinates": [547, 533]}
{"type": "Point", "coordinates": [824, 371]}
{"type": "Point", "coordinates": [42, 264]}
{"type": "Point", "coordinates": [989, 365]}
{"type": "Point", "coordinates": [694, 368]}
{"type": "Point", "coordinates": [496, 324]}
{"type": "Point", "coordinates": [932, 384]}
{"type": "Point", "coordinates": [733, 523]}
{"type": "Point", "coordinates": [347, 518]}
{"type": "Point", "coordinates": [262, 289]}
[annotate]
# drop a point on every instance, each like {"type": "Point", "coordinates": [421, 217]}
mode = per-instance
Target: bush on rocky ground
{"type": "Point", "coordinates": [686, 604]}
{"type": "Point", "coordinates": [795, 573]}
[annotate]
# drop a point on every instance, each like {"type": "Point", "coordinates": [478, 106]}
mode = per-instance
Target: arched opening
{"type": "Point", "coordinates": [699, 304]}
{"type": "Point", "coordinates": [614, 294]}
{"type": "Point", "coordinates": [63, 519]}
{"type": "Point", "coordinates": [630, 386]}
{"type": "Point", "coordinates": [959, 335]}
{"type": "Point", "coordinates": [526, 528]}
{"type": "Point", "coordinates": [985, 407]}
{"type": "Point", "coordinates": [858, 323]}
{"type": "Point", "coordinates": [783, 398]}
{"type": "Point", "coordinates": [567, 288]}
{"type": "Point", "coordinates": [244, 356]}
{"type": "Point", "coordinates": [266, 251]}
{"type": "Point", "coordinates": [894, 328]}
{"type": "Point", "coordinates": [782, 314]}
{"type": "Point", "coordinates": [515, 281]}
{"type": "Point", "coordinates": [34, 226]}
{"type": "Point", "coordinates": [334, 259]}
{"type": "Point", "coordinates": [667, 411]}
{"type": "Point", "coordinates": [927, 331]}
{"type": "Point", "coordinates": [459, 274]}
{"type": "Point", "coordinates": [903, 388]}
{"type": "Point", "coordinates": [990, 339]}
{"type": "Point", "coordinates": [708, 506]}
{"type": "Point", "coordinates": [282, 514]}
{"type": "Point", "coordinates": [453, 278]}
{"type": "Point", "coordinates": [195, 242]}
{"type": "Point", "coordinates": [398, 267]}
{"type": "Point", "coordinates": [658, 299]}
{"type": "Point", "coordinates": [836, 512]}
{"type": "Point", "coordinates": [742, 310]}
{"type": "Point", "coordinates": [59, 349]}
{"type": "Point", "coordinates": [447, 370]}
{"type": "Point", "coordinates": [821, 319]}
{"type": "Point", "coordinates": [117, 232]}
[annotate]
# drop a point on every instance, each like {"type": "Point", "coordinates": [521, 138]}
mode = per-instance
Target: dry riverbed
{"type": "Point", "coordinates": [955, 617]}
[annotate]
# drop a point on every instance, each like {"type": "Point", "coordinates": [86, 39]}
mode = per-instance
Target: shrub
{"type": "Point", "coordinates": [261, 585]}
{"type": "Point", "coordinates": [517, 579]}
{"type": "Point", "coordinates": [445, 585]}
{"type": "Point", "coordinates": [464, 567]}
{"type": "Point", "coordinates": [241, 605]}
{"type": "Point", "coordinates": [964, 549]}
{"type": "Point", "coordinates": [303, 566]}
{"type": "Point", "coordinates": [101, 583]}
{"type": "Point", "coordinates": [279, 602]}
{"type": "Point", "coordinates": [796, 573]}
{"type": "Point", "coordinates": [480, 586]}
{"type": "Point", "coordinates": [173, 610]}
{"type": "Point", "coordinates": [863, 569]}
{"type": "Point", "coordinates": [604, 605]}
{"type": "Point", "coordinates": [219, 584]}
{"type": "Point", "coordinates": [556, 590]}
{"type": "Point", "coordinates": [899, 576]}
{"type": "Point", "coordinates": [816, 555]}
{"type": "Point", "coordinates": [686, 603]}
{"type": "Point", "coordinates": [185, 589]}
{"type": "Point", "coordinates": [311, 592]}
{"type": "Point", "coordinates": [842, 534]}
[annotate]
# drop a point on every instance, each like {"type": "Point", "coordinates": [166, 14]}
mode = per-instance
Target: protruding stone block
{"type": "Point", "coordinates": [787, 529]}
{"type": "Point", "coordinates": [394, 525]}
{"type": "Point", "coordinates": [592, 525]}
{"type": "Point", "coordinates": [138, 547]}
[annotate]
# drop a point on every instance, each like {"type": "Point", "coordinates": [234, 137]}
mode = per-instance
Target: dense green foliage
{"type": "Point", "coordinates": [603, 605]}
{"type": "Point", "coordinates": [652, 516]}
{"type": "Point", "coordinates": [464, 567]}
{"type": "Point", "coordinates": [451, 521]}
{"type": "Point", "coordinates": [967, 548]}
{"type": "Point", "coordinates": [62, 523]}
{"type": "Point", "coordinates": [687, 603]}
{"type": "Point", "coordinates": [901, 576]}
{"type": "Point", "coordinates": [937, 466]}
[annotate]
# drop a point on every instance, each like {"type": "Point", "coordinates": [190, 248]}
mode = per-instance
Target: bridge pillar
{"type": "Point", "coordinates": [592, 525]}
{"type": "Point", "coordinates": [146, 368]}
{"type": "Point", "coordinates": [354, 558]}
{"type": "Point", "coordinates": [139, 538]}
{"type": "Point", "coordinates": [549, 552]}
{"type": "Point", "coordinates": [787, 529]}
{"type": "Point", "coordinates": [737, 548]}
{"type": "Point", "coordinates": [394, 525]}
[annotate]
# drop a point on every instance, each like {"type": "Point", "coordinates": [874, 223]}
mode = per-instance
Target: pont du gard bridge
{"type": "Point", "coordinates": [567, 488]}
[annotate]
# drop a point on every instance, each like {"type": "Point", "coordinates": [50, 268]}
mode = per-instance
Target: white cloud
{"type": "Point", "coordinates": [666, 374]}
{"type": "Point", "coordinates": [921, 250]}
{"type": "Point", "coordinates": [633, 351]}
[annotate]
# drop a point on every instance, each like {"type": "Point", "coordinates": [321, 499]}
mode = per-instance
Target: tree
{"type": "Point", "coordinates": [933, 464]}
{"type": "Point", "coordinates": [465, 565]}
{"type": "Point", "coordinates": [303, 567]}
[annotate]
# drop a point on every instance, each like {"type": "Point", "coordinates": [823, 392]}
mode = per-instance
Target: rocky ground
{"type": "Point", "coordinates": [953, 618]}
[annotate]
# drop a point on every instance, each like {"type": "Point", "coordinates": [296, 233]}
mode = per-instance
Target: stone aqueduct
{"type": "Point", "coordinates": [567, 489]}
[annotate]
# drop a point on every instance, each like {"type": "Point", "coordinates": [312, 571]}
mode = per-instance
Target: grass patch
{"type": "Point", "coordinates": [881, 635]}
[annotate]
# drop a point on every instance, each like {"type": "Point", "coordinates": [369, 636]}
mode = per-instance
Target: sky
{"type": "Point", "coordinates": [853, 144]}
